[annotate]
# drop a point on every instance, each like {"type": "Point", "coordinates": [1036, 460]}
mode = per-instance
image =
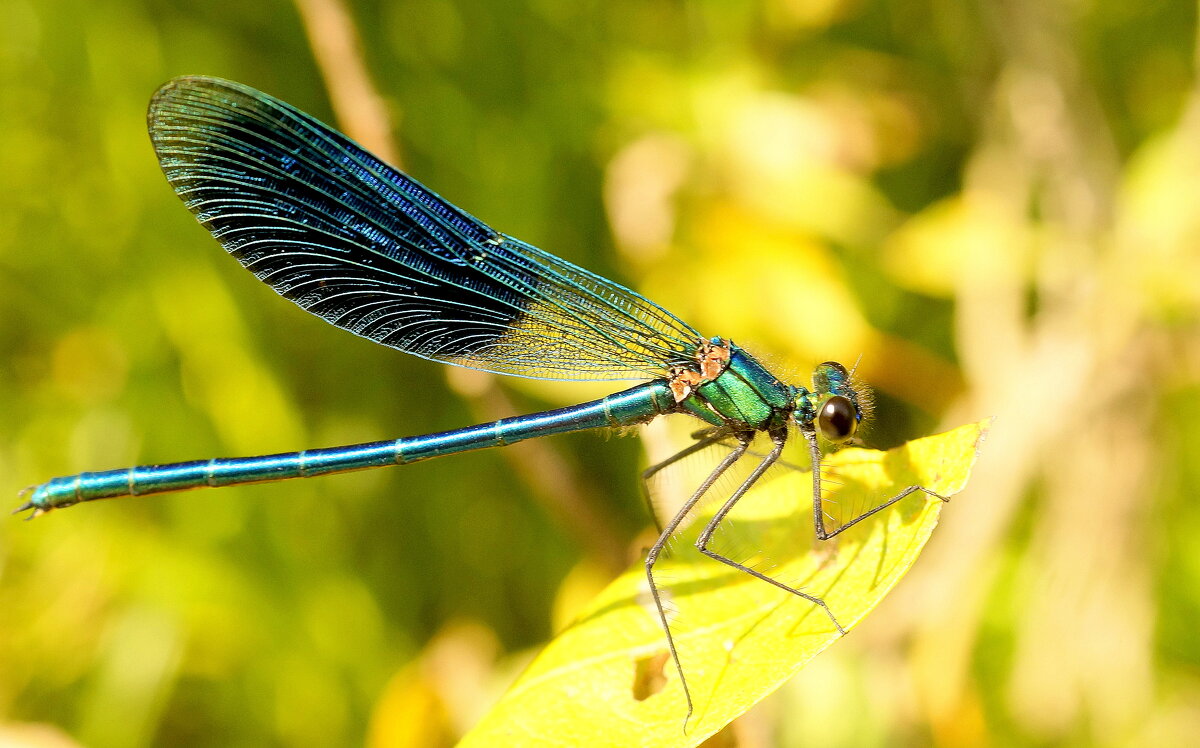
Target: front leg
{"type": "Point", "coordinates": [818, 508]}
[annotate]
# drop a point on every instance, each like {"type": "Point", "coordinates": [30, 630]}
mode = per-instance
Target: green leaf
{"type": "Point", "coordinates": [607, 680]}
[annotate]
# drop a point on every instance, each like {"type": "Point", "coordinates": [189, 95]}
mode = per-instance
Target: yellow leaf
{"type": "Point", "coordinates": [605, 681]}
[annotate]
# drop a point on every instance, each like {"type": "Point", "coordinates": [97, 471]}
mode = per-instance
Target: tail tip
{"type": "Point", "coordinates": [29, 505]}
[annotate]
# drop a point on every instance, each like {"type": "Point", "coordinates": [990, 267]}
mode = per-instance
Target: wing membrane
{"type": "Point", "coordinates": [367, 248]}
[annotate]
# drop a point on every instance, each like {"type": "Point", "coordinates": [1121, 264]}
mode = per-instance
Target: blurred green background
{"type": "Point", "coordinates": [993, 204]}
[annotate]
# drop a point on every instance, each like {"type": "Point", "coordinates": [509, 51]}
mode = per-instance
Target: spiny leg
{"type": "Point", "coordinates": [665, 535]}
{"type": "Point", "coordinates": [709, 438]}
{"type": "Point", "coordinates": [779, 439]}
{"type": "Point", "coordinates": [818, 509]}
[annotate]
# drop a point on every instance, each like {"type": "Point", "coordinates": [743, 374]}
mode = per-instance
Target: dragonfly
{"type": "Point", "coordinates": [367, 248]}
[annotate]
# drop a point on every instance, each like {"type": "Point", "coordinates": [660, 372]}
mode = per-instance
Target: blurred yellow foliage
{"type": "Point", "coordinates": [990, 206]}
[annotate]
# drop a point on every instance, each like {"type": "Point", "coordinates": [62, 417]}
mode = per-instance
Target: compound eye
{"type": "Point", "coordinates": [838, 419]}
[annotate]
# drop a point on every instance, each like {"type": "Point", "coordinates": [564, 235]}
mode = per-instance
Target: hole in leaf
{"type": "Point", "coordinates": [649, 676]}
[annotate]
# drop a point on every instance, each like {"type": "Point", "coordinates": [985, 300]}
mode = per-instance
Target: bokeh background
{"type": "Point", "coordinates": [993, 204]}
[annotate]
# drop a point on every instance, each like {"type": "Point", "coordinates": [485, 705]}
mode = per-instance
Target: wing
{"type": "Point", "coordinates": [369, 249]}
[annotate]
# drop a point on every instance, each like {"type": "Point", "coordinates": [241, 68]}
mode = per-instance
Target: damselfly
{"type": "Point", "coordinates": [365, 247]}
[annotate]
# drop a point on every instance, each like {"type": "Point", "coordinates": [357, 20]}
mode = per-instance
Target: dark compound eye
{"type": "Point", "coordinates": [838, 419]}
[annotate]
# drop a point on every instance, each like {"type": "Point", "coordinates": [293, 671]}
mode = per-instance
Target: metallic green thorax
{"type": "Point", "coordinates": [745, 393]}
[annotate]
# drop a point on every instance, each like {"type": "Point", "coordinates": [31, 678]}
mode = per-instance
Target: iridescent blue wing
{"type": "Point", "coordinates": [369, 249]}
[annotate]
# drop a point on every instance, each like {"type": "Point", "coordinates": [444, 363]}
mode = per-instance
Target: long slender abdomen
{"type": "Point", "coordinates": [629, 407]}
